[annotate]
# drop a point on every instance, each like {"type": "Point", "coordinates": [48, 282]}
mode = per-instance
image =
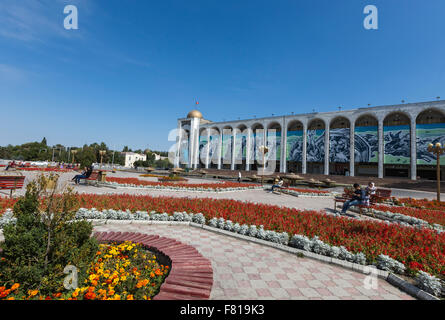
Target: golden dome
{"type": "Point", "coordinates": [194, 114]}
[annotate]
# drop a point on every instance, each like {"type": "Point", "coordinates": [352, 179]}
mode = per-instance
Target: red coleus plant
{"type": "Point", "coordinates": [417, 249]}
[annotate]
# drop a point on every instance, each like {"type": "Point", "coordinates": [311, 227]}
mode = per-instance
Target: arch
{"type": "Point", "coordinates": [339, 145]}
{"type": "Point", "coordinates": [339, 123]}
{"type": "Point", "coordinates": [397, 144]}
{"type": "Point", "coordinates": [315, 152]}
{"type": "Point", "coordinates": [274, 133]}
{"type": "Point", "coordinates": [240, 146]}
{"type": "Point", "coordinates": [396, 118]}
{"type": "Point", "coordinates": [430, 128]}
{"type": "Point", "coordinates": [184, 148]}
{"type": "Point", "coordinates": [226, 148]}
{"type": "Point", "coordinates": [295, 125]}
{"type": "Point", "coordinates": [294, 146]}
{"type": "Point", "coordinates": [366, 120]}
{"type": "Point", "coordinates": [215, 134]}
{"type": "Point", "coordinates": [366, 145]}
{"type": "Point", "coordinates": [316, 124]}
{"type": "Point", "coordinates": [430, 116]}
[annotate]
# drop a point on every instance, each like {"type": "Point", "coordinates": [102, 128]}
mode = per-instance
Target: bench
{"type": "Point", "coordinates": [11, 183]}
{"type": "Point", "coordinates": [379, 196]}
{"type": "Point", "coordinates": [94, 177]}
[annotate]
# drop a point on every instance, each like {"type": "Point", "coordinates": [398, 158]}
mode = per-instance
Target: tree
{"type": "Point", "coordinates": [43, 143]}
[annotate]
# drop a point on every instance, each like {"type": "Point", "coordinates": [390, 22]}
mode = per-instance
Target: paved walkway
{"type": "Point", "coordinates": [245, 270]}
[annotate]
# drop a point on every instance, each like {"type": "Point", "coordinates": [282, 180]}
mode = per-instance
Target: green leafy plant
{"type": "Point", "coordinates": [45, 239]}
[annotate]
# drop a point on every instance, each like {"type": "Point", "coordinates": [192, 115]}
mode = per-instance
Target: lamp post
{"type": "Point", "coordinates": [102, 153]}
{"type": "Point", "coordinates": [438, 150]}
{"type": "Point", "coordinates": [264, 150]}
{"type": "Point", "coordinates": [74, 153]}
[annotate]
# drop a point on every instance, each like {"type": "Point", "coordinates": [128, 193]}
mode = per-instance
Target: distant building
{"type": "Point", "coordinates": [384, 141]}
{"type": "Point", "coordinates": [132, 157]}
{"type": "Point", "coordinates": [159, 157]}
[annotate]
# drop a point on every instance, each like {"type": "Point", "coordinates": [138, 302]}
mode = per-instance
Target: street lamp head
{"type": "Point", "coordinates": [438, 145]}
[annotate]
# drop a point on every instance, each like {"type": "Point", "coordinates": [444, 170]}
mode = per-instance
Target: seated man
{"type": "Point", "coordinates": [358, 198]}
{"type": "Point", "coordinates": [85, 175]}
{"type": "Point", "coordinates": [278, 184]}
{"type": "Point", "coordinates": [10, 165]}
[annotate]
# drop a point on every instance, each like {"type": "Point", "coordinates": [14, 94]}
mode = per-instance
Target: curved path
{"type": "Point", "coordinates": [246, 270]}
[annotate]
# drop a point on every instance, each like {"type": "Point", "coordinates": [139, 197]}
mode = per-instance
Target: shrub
{"type": "Point", "coordinates": [429, 283]}
{"type": "Point", "coordinates": [44, 239]}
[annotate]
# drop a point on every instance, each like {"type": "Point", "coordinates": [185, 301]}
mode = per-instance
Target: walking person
{"type": "Point", "coordinates": [239, 176]}
{"type": "Point", "coordinates": [358, 198]}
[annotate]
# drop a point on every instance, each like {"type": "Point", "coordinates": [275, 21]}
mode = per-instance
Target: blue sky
{"type": "Point", "coordinates": [134, 67]}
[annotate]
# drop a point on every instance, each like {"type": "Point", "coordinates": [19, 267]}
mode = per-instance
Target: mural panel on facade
{"type": "Point", "coordinates": [339, 145]}
{"type": "Point", "coordinates": [397, 144]}
{"type": "Point", "coordinates": [184, 150]}
{"type": "Point", "coordinates": [366, 144]}
{"type": "Point", "coordinates": [256, 141]}
{"type": "Point", "coordinates": [426, 134]}
{"type": "Point", "coordinates": [315, 145]}
{"type": "Point", "coordinates": [202, 151]}
{"type": "Point", "coordinates": [294, 144]}
{"type": "Point", "coordinates": [240, 146]}
{"type": "Point", "coordinates": [213, 149]}
{"type": "Point", "coordinates": [226, 148]}
{"type": "Point", "coordinates": [274, 145]}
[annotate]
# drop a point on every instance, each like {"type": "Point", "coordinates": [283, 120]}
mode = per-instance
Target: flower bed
{"type": "Point", "coordinates": [431, 216]}
{"type": "Point", "coordinates": [119, 272]}
{"type": "Point", "coordinates": [223, 186]}
{"type": "Point", "coordinates": [421, 203]}
{"type": "Point", "coordinates": [417, 249]}
{"type": "Point", "coordinates": [306, 192]}
{"type": "Point", "coordinates": [45, 169]}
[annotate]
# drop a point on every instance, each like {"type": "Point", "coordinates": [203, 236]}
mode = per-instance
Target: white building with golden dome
{"type": "Point", "coordinates": [374, 141]}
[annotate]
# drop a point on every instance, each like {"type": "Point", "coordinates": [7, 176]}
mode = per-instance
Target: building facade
{"type": "Point", "coordinates": [385, 141]}
{"type": "Point", "coordinates": [132, 157]}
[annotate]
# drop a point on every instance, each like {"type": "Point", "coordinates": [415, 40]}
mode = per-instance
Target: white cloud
{"type": "Point", "coordinates": [10, 73]}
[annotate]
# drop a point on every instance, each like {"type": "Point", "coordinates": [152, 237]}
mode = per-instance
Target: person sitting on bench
{"type": "Point", "coordinates": [370, 191]}
{"type": "Point", "coordinates": [85, 175]}
{"type": "Point", "coordinates": [358, 198]}
{"type": "Point", "coordinates": [10, 165]}
{"type": "Point", "coordinates": [278, 184]}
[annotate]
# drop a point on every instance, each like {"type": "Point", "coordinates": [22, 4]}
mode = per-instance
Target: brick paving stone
{"type": "Point", "coordinates": [237, 276]}
{"type": "Point", "coordinates": [310, 292]}
{"type": "Point", "coordinates": [263, 293]}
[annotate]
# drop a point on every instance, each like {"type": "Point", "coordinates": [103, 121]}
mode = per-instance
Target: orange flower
{"type": "Point", "coordinates": [33, 293]}
{"type": "Point", "coordinates": [90, 295]}
{"type": "Point", "coordinates": [130, 297]}
{"type": "Point", "coordinates": [15, 286]}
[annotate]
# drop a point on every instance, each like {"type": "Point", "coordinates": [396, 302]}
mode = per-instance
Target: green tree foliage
{"type": "Point", "coordinates": [45, 239]}
{"type": "Point", "coordinates": [86, 155]}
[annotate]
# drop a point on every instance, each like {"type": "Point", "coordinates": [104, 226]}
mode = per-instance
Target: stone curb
{"type": "Point", "coordinates": [410, 288]}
